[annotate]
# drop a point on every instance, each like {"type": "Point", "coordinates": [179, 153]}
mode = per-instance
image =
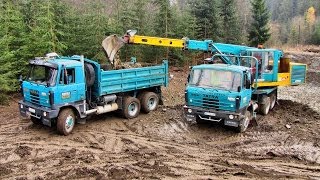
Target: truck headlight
{"type": "Point", "coordinates": [231, 116]}
{"type": "Point", "coordinates": [44, 113]}
{"type": "Point", "coordinates": [21, 106]}
{"type": "Point", "coordinates": [189, 110]}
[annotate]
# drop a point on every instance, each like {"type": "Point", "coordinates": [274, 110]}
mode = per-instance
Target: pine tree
{"type": "Point", "coordinates": [141, 15]}
{"type": "Point", "coordinates": [208, 20]}
{"type": "Point", "coordinates": [259, 30]}
{"type": "Point", "coordinates": [163, 26]}
{"type": "Point", "coordinates": [12, 43]}
{"type": "Point", "coordinates": [230, 23]}
{"type": "Point", "coordinates": [46, 27]}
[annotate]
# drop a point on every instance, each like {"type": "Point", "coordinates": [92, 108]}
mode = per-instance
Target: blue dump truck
{"type": "Point", "coordinates": [63, 91]}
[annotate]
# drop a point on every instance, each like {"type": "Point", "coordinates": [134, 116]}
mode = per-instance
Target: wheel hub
{"type": "Point", "coordinates": [133, 109]}
{"type": "Point", "coordinates": [69, 122]}
{"type": "Point", "coordinates": [151, 103]}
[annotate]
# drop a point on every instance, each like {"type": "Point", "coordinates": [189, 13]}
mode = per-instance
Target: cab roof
{"type": "Point", "coordinates": [222, 67]}
{"type": "Point", "coordinates": [65, 61]}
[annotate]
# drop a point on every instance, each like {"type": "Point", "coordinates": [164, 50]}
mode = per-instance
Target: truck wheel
{"type": "Point", "coordinates": [90, 74]}
{"type": "Point", "coordinates": [265, 108]}
{"type": "Point", "coordinates": [131, 107]}
{"type": "Point", "coordinates": [273, 99]}
{"type": "Point", "coordinates": [149, 101]}
{"type": "Point", "coordinates": [244, 123]}
{"type": "Point", "coordinates": [35, 120]}
{"type": "Point", "coordinates": [66, 121]}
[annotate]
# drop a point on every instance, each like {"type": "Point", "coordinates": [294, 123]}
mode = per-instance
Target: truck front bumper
{"type": "Point", "coordinates": [45, 115]}
{"type": "Point", "coordinates": [228, 118]}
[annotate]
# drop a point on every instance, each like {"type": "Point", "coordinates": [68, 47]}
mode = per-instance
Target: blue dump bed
{"type": "Point", "coordinates": [124, 80]}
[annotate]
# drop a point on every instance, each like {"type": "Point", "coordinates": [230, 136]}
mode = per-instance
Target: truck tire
{"type": "Point", "coordinates": [35, 120]}
{"type": "Point", "coordinates": [131, 107]}
{"type": "Point", "coordinates": [244, 123]}
{"type": "Point", "coordinates": [273, 99]}
{"type": "Point", "coordinates": [66, 121]}
{"type": "Point", "coordinates": [265, 108]}
{"type": "Point", "coordinates": [90, 74]}
{"type": "Point", "coordinates": [149, 101]}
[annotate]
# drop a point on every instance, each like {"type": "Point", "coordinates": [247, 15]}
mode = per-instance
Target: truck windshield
{"type": "Point", "coordinates": [225, 80]}
{"type": "Point", "coordinates": [42, 75]}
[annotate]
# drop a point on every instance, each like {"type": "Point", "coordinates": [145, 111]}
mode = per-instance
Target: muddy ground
{"type": "Point", "coordinates": [162, 145]}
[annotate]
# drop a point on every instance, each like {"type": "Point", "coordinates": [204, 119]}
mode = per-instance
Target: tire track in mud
{"type": "Point", "coordinates": [158, 145]}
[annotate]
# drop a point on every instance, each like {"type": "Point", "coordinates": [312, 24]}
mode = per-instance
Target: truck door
{"type": "Point", "coordinates": [68, 88]}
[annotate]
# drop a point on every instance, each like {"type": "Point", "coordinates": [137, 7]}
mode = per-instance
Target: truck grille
{"type": "Point", "coordinates": [34, 97]}
{"type": "Point", "coordinates": [210, 103]}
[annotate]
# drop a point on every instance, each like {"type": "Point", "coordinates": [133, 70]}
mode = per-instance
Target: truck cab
{"type": "Point", "coordinates": [52, 85]}
{"type": "Point", "coordinates": [219, 93]}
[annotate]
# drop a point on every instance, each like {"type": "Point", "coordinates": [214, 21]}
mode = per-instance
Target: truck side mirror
{"type": "Point", "coordinates": [239, 88]}
{"type": "Point", "coordinates": [188, 79]}
{"type": "Point", "coordinates": [20, 79]}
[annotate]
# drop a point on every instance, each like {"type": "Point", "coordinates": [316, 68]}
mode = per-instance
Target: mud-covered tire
{"type": "Point", "coordinates": [244, 123]}
{"type": "Point", "coordinates": [35, 120]}
{"type": "Point", "coordinates": [66, 121]}
{"type": "Point", "coordinates": [90, 74]}
{"type": "Point", "coordinates": [273, 99]}
{"type": "Point", "coordinates": [130, 107]}
{"type": "Point", "coordinates": [149, 101]}
{"type": "Point", "coordinates": [265, 108]}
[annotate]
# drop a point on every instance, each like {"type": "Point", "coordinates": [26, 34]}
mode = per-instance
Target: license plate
{"type": "Point", "coordinates": [32, 110]}
{"type": "Point", "coordinates": [209, 114]}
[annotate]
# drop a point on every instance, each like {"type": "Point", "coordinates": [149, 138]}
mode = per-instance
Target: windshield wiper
{"type": "Point", "coordinates": [223, 88]}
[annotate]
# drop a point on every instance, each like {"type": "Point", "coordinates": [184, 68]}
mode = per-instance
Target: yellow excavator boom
{"type": "Point", "coordinates": [157, 41]}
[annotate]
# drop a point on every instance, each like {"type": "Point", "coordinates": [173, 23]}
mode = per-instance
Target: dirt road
{"type": "Point", "coordinates": [285, 144]}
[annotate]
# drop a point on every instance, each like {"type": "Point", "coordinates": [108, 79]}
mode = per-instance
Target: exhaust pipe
{"type": "Point", "coordinates": [103, 109]}
{"type": "Point", "coordinates": [107, 108]}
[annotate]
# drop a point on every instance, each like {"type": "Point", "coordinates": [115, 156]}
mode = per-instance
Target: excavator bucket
{"type": "Point", "coordinates": [111, 45]}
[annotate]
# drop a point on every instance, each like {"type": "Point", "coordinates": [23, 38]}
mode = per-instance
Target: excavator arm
{"type": "Point", "coordinates": [113, 43]}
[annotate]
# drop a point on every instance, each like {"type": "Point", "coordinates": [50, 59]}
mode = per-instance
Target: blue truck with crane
{"type": "Point", "coordinates": [235, 83]}
{"type": "Point", "coordinates": [64, 90]}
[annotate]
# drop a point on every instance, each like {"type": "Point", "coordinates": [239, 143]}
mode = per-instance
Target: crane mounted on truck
{"type": "Point", "coordinates": [231, 92]}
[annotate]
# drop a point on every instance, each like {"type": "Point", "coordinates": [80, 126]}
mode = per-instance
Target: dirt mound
{"type": "Point", "coordinates": [293, 111]}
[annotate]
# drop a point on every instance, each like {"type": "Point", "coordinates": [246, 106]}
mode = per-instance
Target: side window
{"type": "Point", "coordinates": [269, 66]}
{"type": "Point", "coordinates": [67, 76]}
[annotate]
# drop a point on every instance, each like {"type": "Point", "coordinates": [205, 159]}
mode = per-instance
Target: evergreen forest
{"type": "Point", "coordinates": [32, 28]}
